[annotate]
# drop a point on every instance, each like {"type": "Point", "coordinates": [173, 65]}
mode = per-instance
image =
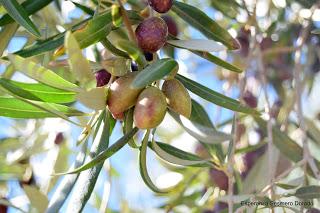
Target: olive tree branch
{"type": "Point", "coordinates": [127, 22]}
{"type": "Point", "coordinates": [298, 71]}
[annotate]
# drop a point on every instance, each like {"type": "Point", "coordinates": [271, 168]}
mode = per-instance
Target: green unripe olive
{"type": "Point", "coordinates": [150, 108]}
{"type": "Point", "coordinates": [121, 96]}
{"type": "Point", "coordinates": [178, 97]}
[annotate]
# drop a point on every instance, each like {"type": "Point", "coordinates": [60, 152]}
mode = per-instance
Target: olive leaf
{"type": "Point", "coordinates": [41, 73]}
{"type": "Point", "coordinates": [176, 156]}
{"type": "Point", "coordinates": [87, 179]}
{"type": "Point", "coordinates": [154, 72]}
{"type": "Point", "coordinates": [15, 108]}
{"type": "Point", "coordinates": [197, 45]}
{"type": "Point", "coordinates": [94, 98]}
{"type": "Point", "coordinates": [78, 63]}
{"type": "Point", "coordinates": [143, 166]}
{"type": "Point", "coordinates": [201, 132]}
{"type": "Point", "coordinates": [105, 154]}
{"type": "Point", "coordinates": [38, 91]}
{"type": "Point", "coordinates": [37, 199]}
{"type": "Point", "coordinates": [308, 192]}
{"type": "Point", "coordinates": [20, 15]}
{"type": "Point", "coordinates": [199, 20]}
{"type": "Point", "coordinates": [215, 97]}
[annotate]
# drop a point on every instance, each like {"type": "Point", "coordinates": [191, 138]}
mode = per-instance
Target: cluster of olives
{"type": "Point", "coordinates": [150, 103]}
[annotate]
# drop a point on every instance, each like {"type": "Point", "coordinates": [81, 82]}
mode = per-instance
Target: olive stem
{"type": "Point", "coordinates": [127, 22]}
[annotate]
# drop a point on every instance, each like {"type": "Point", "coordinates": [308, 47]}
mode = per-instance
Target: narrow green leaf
{"type": "Point", "coordinates": [30, 6]}
{"type": "Point", "coordinates": [20, 15]}
{"type": "Point", "coordinates": [200, 132]}
{"type": "Point", "coordinates": [94, 98]}
{"type": "Point", "coordinates": [143, 166]}
{"type": "Point", "coordinates": [79, 65]}
{"type": "Point", "coordinates": [41, 73]}
{"type": "Point", "coordinates": [84, 8]}
{"type": "Point", "coordinates": [214, 59]}
{"type": "Point", "coordinates": [317, 31]}
{"type": "Point", "coordinates": [284, 143]}
{"type": "Point", "coordinates": [6, 34]}
{"type": "Point", "coordinates": [117, 66]}
{"type": "Point", "coordinates": [88, 179]}
{"type": "Point", "coordinates": [128, 126]}
{"type": "Point", "coordinates": [176, 156]}
{"type": "Point", "coordinates": [218, 61]}
{"type": "Point", "coordinates": [105, 154]}
{"type": "Point", "coordinates": [313, 131]}
{"type": "Point", "coordinates": [154, 72]}
{"type": "Point", "coordinates": [228, 7]}
{"type": "Point", "coordinates": [116, 16]}
{"type": "Point", "coordinates": [108, 45]}
{"type": "Point", "coordinates": [199, 115]}
{"type": "Point", "coordinates": [215, 97]}
{"type": "Point", "coordinates": [14, 108]}
{"type": "Point", "coordinates": [197, 45]}
{"type": "Point", "coordinates": [133, 51]}
{"type": "Point", "coordinates": [94, 31]}
{"type": "Point", "coordinates": [286, 186]}
{"type": "Point", "coordinates": [199, 20]}
{"type": "Point", "coordinates": [308, 192]}
{"type": "Point", "coordinates": [37, 199]}
{"type": "Point", "coordinates": [98, 28]}
{"type": "Point", "coordinates": [38, 91]}
{"type": "Point", "coordinates": [66, 185]}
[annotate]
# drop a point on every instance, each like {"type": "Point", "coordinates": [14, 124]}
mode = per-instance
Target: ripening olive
{"type": "Point", "coordinates": [172, 25]}
{"type": "Point", "coordinates": [161, 6]}
{"type": "Point", "coordinates": [152, 34]}
{"type": "Point", "coordinates": [102, 77]}
{"type": "Point", "coordinates": [59, 138]}
{"type": "Point", "coordinates": [250, 99]}
{"type": "Point", "coordinates": [150, 108]}
{"type": "Point", "coordinates": [178, 97]}
{"type": "Point", "coordinates": [219, 178]}
{"type": "Point", "coordinates": [121, 96]}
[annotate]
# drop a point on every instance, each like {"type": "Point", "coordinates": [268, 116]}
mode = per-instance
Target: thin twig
{"type": "Point", "coordinates": [127, 22]}
{"type": "Point", "coordinates": [278, 50]}
{"type": "Point", "coordinates": [298, 70]}
{"type": "Point", "coordinates": [282, 175]}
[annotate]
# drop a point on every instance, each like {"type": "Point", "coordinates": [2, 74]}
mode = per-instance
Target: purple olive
{"type": "Point", "coordinates": [59, 138]}
{"type": "Point", "coordinates": [266, 43]}
{"type": "Point", "coordinates": [172, 25]}
{"type": "Point", "coordinates": [148, 56]}
{"type": "Point", "coordinates": [244, 40]}
{"type": "Point", "coordinates": [134, 66]}
{"type": "Point", "coordinates": [3, 208]}
{"type": "Point", "coordinates": [152, 34]}
{"type": "Point", "coordinates": [161, 6]}
{"type": "Point", "coordinates": [250, 158]}
{"type": "Point", "coordinates": [219, 206]}
{"type": "Point", "coordinates": [102, 77]}
{"type": "Point", "coordinates": [250, 99]}
{"type": "Point", "coordinates": [219, 178]}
